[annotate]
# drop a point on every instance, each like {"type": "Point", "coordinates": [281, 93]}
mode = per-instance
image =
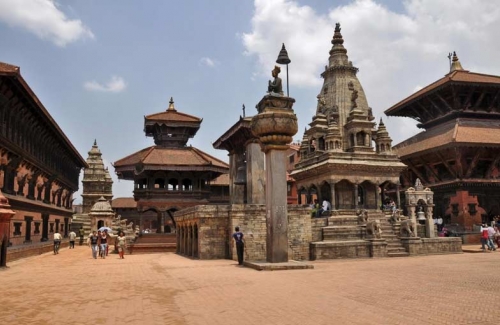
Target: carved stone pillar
{"type": "Point", "coordinates": [398, 195]}
{"type": "Point", "coordinates": [236, 191]}
{"type": "Point", "coordinates": [356, 196]}
{"type": "Point", "coordinates": [377, 195]}
{"type": "Point", "coordinates": [256, 176]}
{"type": "Point", "coordinates": [275, 126]}
{"type": "Point", "coordinates": [429, 222]}
{"type": "Point", "coordinates": [332, 194]}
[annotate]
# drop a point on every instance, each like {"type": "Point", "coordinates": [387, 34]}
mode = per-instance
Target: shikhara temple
{"type": "Point", "coordinates": [458, 153]}
{"type": "Point", "coordinates": [344, 157]}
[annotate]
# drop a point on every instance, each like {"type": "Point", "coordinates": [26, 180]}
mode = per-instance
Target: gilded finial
{"type": "Point", "coordinates": [337, 36]}
{"type": "Point", "coordinates": [95, 142]}
{"type": "Point", "coordinates": [455, 63]}
{"type": "Point", "coordinates": [171, 105]}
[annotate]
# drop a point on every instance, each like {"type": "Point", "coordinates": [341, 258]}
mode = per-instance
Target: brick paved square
{"type": "Point", "coordinates": [169, 289]}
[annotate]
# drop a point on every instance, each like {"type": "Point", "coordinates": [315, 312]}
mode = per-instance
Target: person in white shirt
{"type": "Point", "coordinates": [326, 205]}
{"type": "Point", "coordinates": [57, 242]}
{"type": "Point", "coordinates": [440, 223]}
{"type": "Point", "coordinates": [491, 237]}
{"type": "Point", "coordinates": [72, 237]}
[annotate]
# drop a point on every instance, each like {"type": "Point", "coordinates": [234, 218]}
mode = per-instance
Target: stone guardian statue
{"type": "Point", "coordinates": [275, 87]}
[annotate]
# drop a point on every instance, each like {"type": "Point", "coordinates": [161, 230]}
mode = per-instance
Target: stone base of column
{"type": "Point", "coordinates": [266, 266]}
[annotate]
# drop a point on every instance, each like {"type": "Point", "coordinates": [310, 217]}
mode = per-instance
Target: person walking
{"type": "Point", "coordinates": [104, 243]}
{"type": "Point", "coordinates": [93, 244]}
{"type": "Point", "coordinates": [122, 243]}
{"type": "Point", "coordinates": [240, 244]}
{"type": "Point", "coordinates": [484, 238]}
{"type": "Point", "coordinates": [440, 223]}
{"type": "Point", "coordinates": [72, 237]}
{"type": "Point", "coordinates": [491, 238]}
{"type": "Point", "coordinates": [57, 242]}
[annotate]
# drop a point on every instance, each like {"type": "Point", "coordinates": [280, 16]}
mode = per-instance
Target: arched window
{"type": "Point", "coordinates": [187, 184]}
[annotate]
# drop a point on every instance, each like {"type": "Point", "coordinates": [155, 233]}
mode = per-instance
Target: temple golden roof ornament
{"type": "Point", "coordinates": [171, 105]}
{"type": "Point", "coordinates": [455, 63]}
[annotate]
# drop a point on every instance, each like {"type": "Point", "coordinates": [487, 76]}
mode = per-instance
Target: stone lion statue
{"type": "Point", "coordinates": [373, 229]}
{"type": "Point", "coordinates": [395, 216]}
{"type": "Point", "coordinates": [407, 228]}
{"type": "Point", "coordinates": [362, 216]}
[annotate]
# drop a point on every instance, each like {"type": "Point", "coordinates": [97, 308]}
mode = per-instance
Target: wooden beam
{"type": "Point", "coordinates": [492, 166]}
{"type": "Point", "coordinates": [425, 110]}
{"type": "Point", "coordinates": [495, 98]}
{"type": "Point", "coordinates": [460, 168]}
{"type": "Point", "coordinates": [445, 163]}
{"type": "Point", "coordinates": [441, 112]}
{"type": "Point", "coordinates": [415, 170]}
{"type": "Point", "coordinates": [474, 162]}
{"type": "Point", "coordinates": [442, 100]}
{"type": "Point", "coordinates": [469, 97]}
{"type": "Point", "coordinates": [430, 170]}
{"type": "Point", "coordinates": [479, 100]}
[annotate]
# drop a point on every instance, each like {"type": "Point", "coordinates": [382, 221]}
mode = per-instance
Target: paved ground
{"type": "Point", "coordinates": [72, 288]}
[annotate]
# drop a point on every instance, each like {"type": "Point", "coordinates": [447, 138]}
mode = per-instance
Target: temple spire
{"type": "Point", "coordinates": [95, 142]}
{"type": "Point", "coordinates": [455, 63]}
{"type": "Point", "coordinates": [338, 53]}
{"type": "Point", "coordinates": [171, 105]}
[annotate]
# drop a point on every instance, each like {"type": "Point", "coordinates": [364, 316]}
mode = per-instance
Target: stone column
{"type": "Point", "coordinates": [429, 222]}
{"type": "Point", "coordinates": [275, 126]}
{"type": "Point", "coordinates": [256, 177]}
{"type": "Point", "coordinates": [398, 195]}
{"type": "Point", "coordinates": [356, 194]}
{"type": "Point", "coordinates": [377, 196]}
{"type": "Point", "coordinates": [236, 191]}
{"type": "Point", "coordinates": [5, 215]}
{"type": "Point", "coordinates": [332, 193]}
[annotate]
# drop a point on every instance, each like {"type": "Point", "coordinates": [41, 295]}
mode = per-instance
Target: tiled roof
{"type": "Point", "coordinates": [472, 132]}
{"type": "Point", "coordinates": [223, 179]}
{"type": "Point", "coordinates": [455, 76]}
{"type": "Point", "coordinates": [187, 156]}
{"type": "Point", "coordinates": [8, 68]}
{"type": "Point", "coordinates": [123, 203]}
{"type": "Point", "coordinates": [172, 115]}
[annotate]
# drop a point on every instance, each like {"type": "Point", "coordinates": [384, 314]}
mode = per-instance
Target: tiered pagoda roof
{"type": "Point", "coordinates": [171, 130]}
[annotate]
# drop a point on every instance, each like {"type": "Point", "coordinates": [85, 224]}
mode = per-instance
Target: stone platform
{"type": "Point", "coordinates": [266, 266]}
{"type": "Point", "coordinates": [153, 243]}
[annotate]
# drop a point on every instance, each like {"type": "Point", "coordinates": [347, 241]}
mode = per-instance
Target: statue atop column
{"type": "Point", "coordinates": [275, 87]}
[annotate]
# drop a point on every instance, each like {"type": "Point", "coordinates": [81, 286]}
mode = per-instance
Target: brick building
{"type": "Point", "coordinates": [39, 165]}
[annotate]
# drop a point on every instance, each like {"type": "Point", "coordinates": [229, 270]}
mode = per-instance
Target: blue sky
{"type": "Point", "coordinates": [100, 66]}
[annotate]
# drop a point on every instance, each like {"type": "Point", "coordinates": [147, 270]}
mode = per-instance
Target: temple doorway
{"type": "Point", "coordinates": [100, 224]}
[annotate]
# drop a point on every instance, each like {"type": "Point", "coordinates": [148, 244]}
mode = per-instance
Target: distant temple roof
{"type": "Point", "coordinates": [456, 76]}
{"type": "Point", "coordinates": [124, 203]}
{"type": "Point", "coordinates": [159, 158]}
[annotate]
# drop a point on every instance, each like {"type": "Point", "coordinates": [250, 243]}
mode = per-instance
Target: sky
{"type": "Point", "coordinates": [100, 66]}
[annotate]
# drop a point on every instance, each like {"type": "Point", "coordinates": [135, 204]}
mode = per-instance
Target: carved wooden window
{"type": "Point", "coordinates": [454, 208]}
{"type": "Point", "coordinates": [472, 209]}
{"type": "Point", "coordinates": [17, 228]}
{"type": "Point", "coordinates": [37, 227]}
{"type": "Point", "coordinates": [51, 227]}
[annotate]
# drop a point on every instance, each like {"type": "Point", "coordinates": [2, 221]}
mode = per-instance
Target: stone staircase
{"type": "Point", "coordinates": [391, 235]}
{"type": "Point", "coordinates": [343, 237]}
{"type": "Point", "coordinates": [81, 220]}
{"type": "Point", "coordinates": [153, 243]}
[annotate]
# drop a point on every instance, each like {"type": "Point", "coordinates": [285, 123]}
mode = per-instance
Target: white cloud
{"type": "Point", "coordinates": [44, 19]}
{"type": "Point", "coordinates": [208, 62]}
{"type": "Point", "coordinates": [115, 85]}
{"type": "Point", "coordinates": [394, 51]}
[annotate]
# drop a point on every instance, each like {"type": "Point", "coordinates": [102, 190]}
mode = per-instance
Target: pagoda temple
{"type": "Point", "coordinates": [458, 153]}
{"type": "Point", "coordinates": [170, 175]}
{"type": "Point", "coordinates": [344, 158]}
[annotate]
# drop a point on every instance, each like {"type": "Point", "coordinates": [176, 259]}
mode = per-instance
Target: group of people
{"type": "Point", "coordinates": [317, 210]}
{"type": "Point", "coordinates": [490, 235]}
{"type": "Point", "coordinates": [98, 242]}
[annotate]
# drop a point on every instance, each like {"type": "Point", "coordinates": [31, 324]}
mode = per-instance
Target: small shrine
{"type": "Point", "coordinates": [101, 214]}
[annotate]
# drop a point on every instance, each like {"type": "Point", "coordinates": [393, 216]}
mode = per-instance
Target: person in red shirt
{"type": "Point", "coordinates": [485, 238]}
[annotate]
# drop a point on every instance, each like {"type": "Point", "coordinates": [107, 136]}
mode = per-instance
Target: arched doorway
{"type": "Point", "coordinates": [367, 194]}
{"type": "Point", "coordinates": [100, 223]}
{"type": "Point", "coordinates": [326, 192]}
